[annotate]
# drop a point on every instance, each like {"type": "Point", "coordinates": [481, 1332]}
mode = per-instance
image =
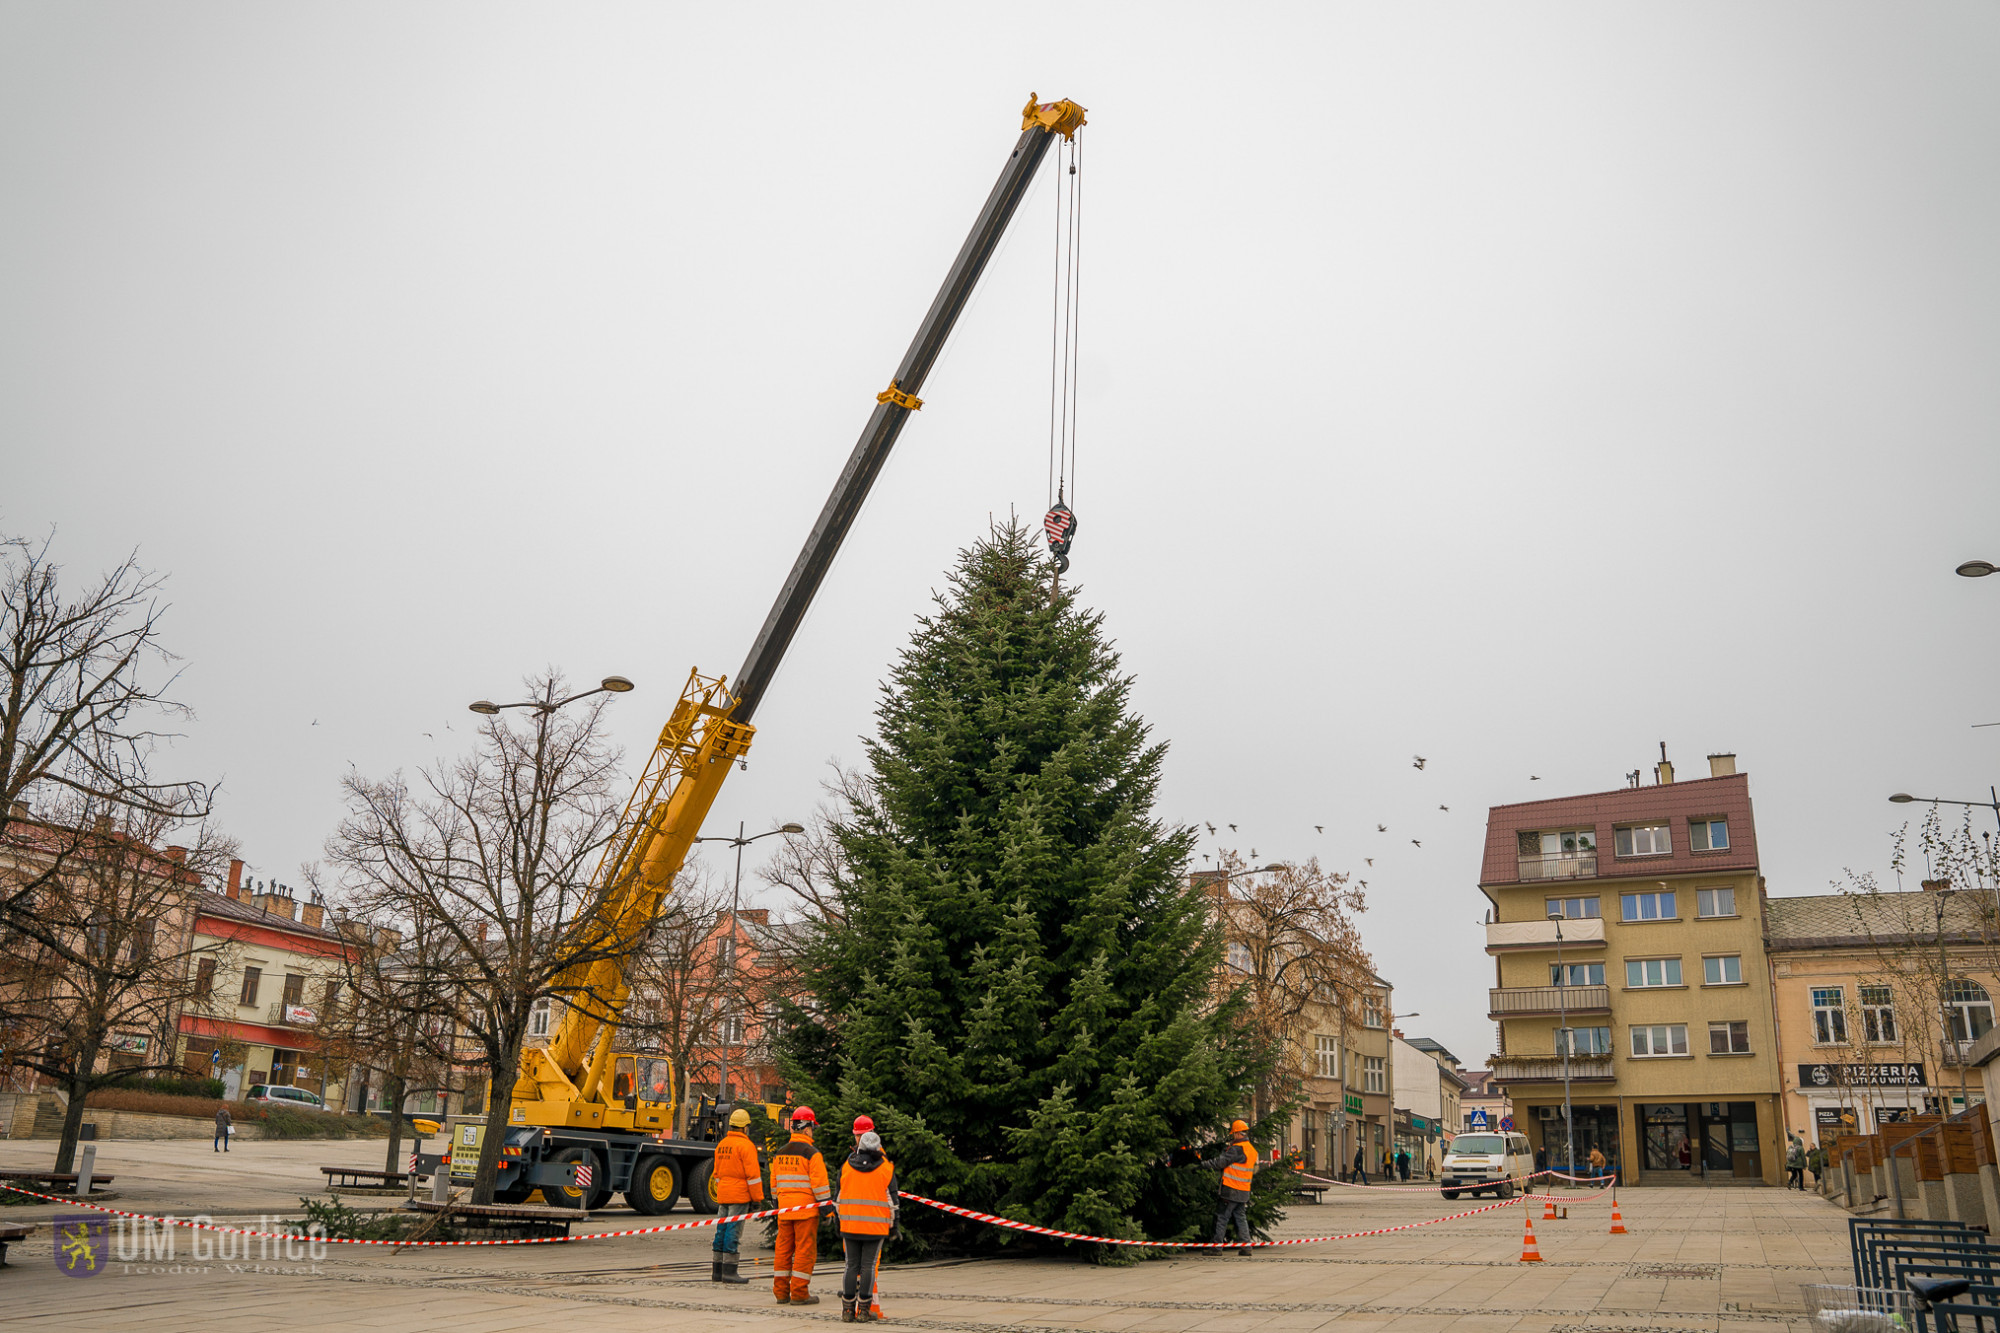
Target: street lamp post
{"type": "Point", "coordinates": [739, 842]}
{"type": "Point", "coordinates": [1564, 1035]}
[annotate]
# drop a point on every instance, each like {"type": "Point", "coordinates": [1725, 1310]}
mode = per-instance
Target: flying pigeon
{"type": "Point", "coordinates": [1533, 778]}
{"type": "Point", "coordinates": [1369, 859]}
{"type": "Point", "coordinates": [1211, 828]}
{"type": "Point", "coordinates": [1420, 761]}
{"type": "Point", "coordinates": [1415, 843]}
{"type": "Point", "coordinates": [1232, 828]}
{"type": "Point", "coordinates": [1381, 828]}
{"type": "Point", "coordinates": [1445, 808]}
{"type": "Point", "coordinates": [1319, 828]}
{"type": "Point", "coordinates": [1253, 853]}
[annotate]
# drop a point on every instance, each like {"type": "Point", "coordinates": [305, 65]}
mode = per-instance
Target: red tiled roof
{"type": "Point", "coordinates": [1674, 803]}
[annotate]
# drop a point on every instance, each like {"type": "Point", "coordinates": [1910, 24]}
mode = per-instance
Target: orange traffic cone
{"type": "Point", "coordinates": [1529, 1254]}
{"type": "Point", "coordinates": [1549, 1209]}
{"type": "Point", "coordinates": [1617, 1221]}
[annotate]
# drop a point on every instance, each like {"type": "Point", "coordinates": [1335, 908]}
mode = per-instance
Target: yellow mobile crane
{"type": "Point", "coordinates": [579, 1102]}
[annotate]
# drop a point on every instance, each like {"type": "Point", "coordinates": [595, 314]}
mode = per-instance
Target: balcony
{"type": "Point", "coordinates": [1510, 936]}
{"type": "Point", "coordinates": [1514, 1001]}
{"type": "Point", "coordinates": [1549, 1069]}
{"type": "Point", "coordinates": [1573, 866]}
{"type": "Point", "coordinates": [292, 1014]}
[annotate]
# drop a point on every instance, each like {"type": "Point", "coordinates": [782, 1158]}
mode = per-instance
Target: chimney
{"type": "Point", "coordinates": [1937, 886]}
{"type": "Point", "coordinates": [18, 810]}
{"type": "Point", "coordinates": [1722, 765]}
{"type": "Point", "coordinates": [479, 931]}
{"type": "Point", "coordinates": [1663, 772]}
{"type": "Point", "coordinates": [177, 854]}
{"type": "Point", "coordinates": [314, 916]}
{"type": "Point", "coordinates": [235, 889]}
{"type": "Point", "coordinates": [757, 916]}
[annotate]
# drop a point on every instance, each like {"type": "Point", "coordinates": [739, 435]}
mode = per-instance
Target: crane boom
{"type": "Point", "coordinates": [561, 1085]}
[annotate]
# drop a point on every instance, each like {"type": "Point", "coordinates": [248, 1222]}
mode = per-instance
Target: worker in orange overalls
{"type": "Point", "coordinates": [868, 1205]}
{"type": "Point", "coordinates": [798, 1178]}
{"type": "Point", "coordinates": [1238, 1164]}
{"type": "Point", "coordinates": [862, 1125]}
{"type": "Point", "coordinates": [739, 1182]}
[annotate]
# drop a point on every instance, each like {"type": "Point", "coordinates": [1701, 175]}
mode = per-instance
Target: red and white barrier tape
{"type": "Point", "coordinates": [1436, 1187]}
{"type": "Point", "coordinates": [413, 1244]}
{"type": "Point", "coordinates": [1033, 1230]}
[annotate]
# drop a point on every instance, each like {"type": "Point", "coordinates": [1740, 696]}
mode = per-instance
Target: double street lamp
{"type": "Point", "coordinates": [1993, 803]}
{"type": "Point", "coordinates": [739, 842]}
{"type": "Point", "coordinates": [1566, 1038]}
{"type": "Point", "coordinates": [546, 707]}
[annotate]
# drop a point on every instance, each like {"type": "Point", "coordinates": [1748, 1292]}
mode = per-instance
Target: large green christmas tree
{"type": "Point", "coordinates": [1022, 990]}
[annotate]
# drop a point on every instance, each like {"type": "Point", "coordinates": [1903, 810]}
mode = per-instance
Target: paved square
{"type": "Point", "coordinates": [1696, 1259]}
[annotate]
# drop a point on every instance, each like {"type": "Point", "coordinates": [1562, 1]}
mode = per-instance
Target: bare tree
{"type": "Point", "coordinates": [487, 871]}
{"type": "Point", "coordinates": [681, 994]}
{"type": "Point", "coordinates": [809, 866]}
{"type": "Point", "coordinates": [98, 966]}
{"type": "Point", "coordinates": [1292, 941]}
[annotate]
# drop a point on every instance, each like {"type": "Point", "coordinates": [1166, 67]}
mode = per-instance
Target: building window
{"type": "Point", "coordinates": [1573, 909]}
{"type": "Point", "coordinates": [251, 976]}
{"type": "Point", "coordinates": [139, 946]}
{"type": "Point", "coordinates": [1878, 1014]}
{"type": "Point", "coordinates": [1576, 974]}
{"type": "Point", "coordinates": [1725, 969]}
{"type": "Point", "coordinates": [204, 978]}
{"type": "Point", "coordinates": [1371, 1010]}
{"type": "Point", "coordinates": [1374, 1078]}
{"type": "Point", "coordinates": [1971, 1010]}
{"type": "Point", "coordinates": [1560, 854]}
{"type": "Point", "coordinates": [1641, 972]}
{"type": "Point", "coordinates": [1708, 835]}
{"type": "Point", "coordinates": [732, 1030]}
{"type": "Point", "coordinates": [1645, 840]}
{"type": "Point", "coordinates": [329, 1002]}
{"type": "Point", "coordinates": [538, 1017]}
{"type": "Point", "coordinates": [1648, 906]}
{"type": "Point", "coordinates": [1583, 1041]}
{"type": "Point", "coordinates": [1328, 1051]}
{"type": "Point", "coordinates": [295, 988]}
{"type": "Point", "coordinates": [1659, 1039]}
{"type": "Point", "coordinates": [1829, 1016]}
{"type": "Point", "coordinates": [1715, 902]}
{"type": "Point", "coordinates": [1729, 1039]}
{"type": "Point", "coordinates": [1239, 956]}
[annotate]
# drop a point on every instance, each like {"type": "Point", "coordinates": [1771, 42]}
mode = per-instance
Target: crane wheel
{"type": "Point", "coordinates": [656, 1186]}
{"type": "Point", "coordinates": [701, 1188]}
{"type": "Point", "coordinates": [569, 1196]}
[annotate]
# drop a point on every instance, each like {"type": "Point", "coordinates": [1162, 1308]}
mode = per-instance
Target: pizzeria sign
{"type": "Point", "coordinates": [1862, 1076]}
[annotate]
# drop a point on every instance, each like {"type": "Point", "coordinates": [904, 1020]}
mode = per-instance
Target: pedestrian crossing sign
{"type": "Point", "coordinates": [1479, 1117]}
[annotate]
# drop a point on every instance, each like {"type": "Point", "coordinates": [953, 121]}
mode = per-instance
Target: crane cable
{"type": "Point", "coordinates": [1059, 524]}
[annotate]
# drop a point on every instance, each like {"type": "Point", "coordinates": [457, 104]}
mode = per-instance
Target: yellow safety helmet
{"type": "Point", "coordinates": [738, 1118]}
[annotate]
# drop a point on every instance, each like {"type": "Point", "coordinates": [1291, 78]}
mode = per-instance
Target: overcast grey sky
{"type": "Point", "coordinates": [1515, 385]}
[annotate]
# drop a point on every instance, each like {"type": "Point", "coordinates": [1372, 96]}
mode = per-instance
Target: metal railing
{"type": "Point", "coordinates": [1506, 1000]}
{"type": "Point", "coordinates": [1549, 1068]}
{"type": "Point", "coordinates": [1575, 866]}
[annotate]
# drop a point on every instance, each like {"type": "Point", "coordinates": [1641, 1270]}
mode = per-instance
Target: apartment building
{"type": "Point", "coordinates": [1881, 999]}
{"type": "Point", "coordinates": [1428, 1091]}
{"type": "Point", "coordinates": [1627, 948]}
{"type": "Point", "coordinates": [1483, 1104]}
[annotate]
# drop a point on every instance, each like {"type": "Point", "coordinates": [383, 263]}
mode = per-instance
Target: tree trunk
{"type": "Point", "coordinates": [72, 1130]}
{"type": "Point", "coordinates": [392, 1093]}
{"type": "Point", "coordinates": [504, 1070]}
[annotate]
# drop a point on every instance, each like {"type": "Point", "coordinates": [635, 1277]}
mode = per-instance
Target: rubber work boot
{"type": "Point", "coordinates": [715, 1268]}
{"type": "Point", "coordinates": [805, 1300]}
{"type": "Point", "coordinates": [1246, 1250]}
{"type": "Point", "coordinates": [846, 1310]}
{"type": "Point", "coordinates": [784, 1298]}
{"type": "Point", "coordinates": [729, 1273]}
{"type": "Point", "coordinates": [863, 1314]}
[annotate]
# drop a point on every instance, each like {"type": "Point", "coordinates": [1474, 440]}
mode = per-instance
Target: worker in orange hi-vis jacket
{"type": "Point", "coordinates": [868, 1206]}
{"type": "Point", "coordinates": [739, 1183]}
{"type": "Point", "coordinates": [863, 1125]}
{"type": "Point", "coordinates": [798, 1180]}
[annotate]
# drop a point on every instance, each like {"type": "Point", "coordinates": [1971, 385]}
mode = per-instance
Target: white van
{"type": "Point", "coordinates": [1478, 1163]}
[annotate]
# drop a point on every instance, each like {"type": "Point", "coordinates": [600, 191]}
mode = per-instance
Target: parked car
{"type": "Point", "coordinates": [296, 1099]}
{"type": "Point", "coordinates": [1478, 1163]}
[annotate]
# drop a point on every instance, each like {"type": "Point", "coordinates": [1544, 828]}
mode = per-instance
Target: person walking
{"type": "Point", "coordinates": [798, 1180]}
{"type": "Point", "coordinates": [1403, 1164]}
{"type": "Point", "coordinates": [739, 1182]}
{"type": "Point", "coordinates": [1795, 1163]}
{"type": "Point", "coordinates": [868, 1207]}
{"type": "Point", "coordinates": [1360, 1165]}
{"type": "Point", "coordinates": [222, 1129]}
{"type": "Point", "coordinates": [1816, 1163]}
{"type": "Point", "coordinates": [1238, 1164]}
{"type": "Point", "coordinates": [1597, 1162]}
{"type": "Point", "coordinates": [1430, 1166]}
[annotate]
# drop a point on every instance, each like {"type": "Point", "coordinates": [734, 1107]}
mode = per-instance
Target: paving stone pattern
{"type": "Point", "coordinates": [1722, 1259]}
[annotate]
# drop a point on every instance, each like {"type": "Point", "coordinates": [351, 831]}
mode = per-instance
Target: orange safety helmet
{"type": "Point", "coordinates": [804, 1116]}
{"type": "Point", "coordinates": [1238, 1127]}
{"type": "Point", "coordinates": [862, 1124]}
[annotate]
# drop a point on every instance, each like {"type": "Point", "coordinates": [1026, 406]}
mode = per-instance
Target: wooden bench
{"type": "Point", "coordinates": [11, 1232]}
{"type": "Point", "coordinates": [1311, 1186]}
{"type": "Point", "coordinates": [532, 1220]}
{"type": "Point", "coordinates": [52, 1182]}
{"type": "Point", "coordinates": [361, 1177]}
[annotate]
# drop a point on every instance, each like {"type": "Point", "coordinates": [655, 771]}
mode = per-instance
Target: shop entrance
{"type": "Point", "coordinates": [1596, 1127]}
{"type": "Point", "coordinates": [1702, 1140]}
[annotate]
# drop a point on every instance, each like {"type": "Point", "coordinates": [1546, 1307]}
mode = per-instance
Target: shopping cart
{"type": "Point", "coordinates": [1838, 1309]}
